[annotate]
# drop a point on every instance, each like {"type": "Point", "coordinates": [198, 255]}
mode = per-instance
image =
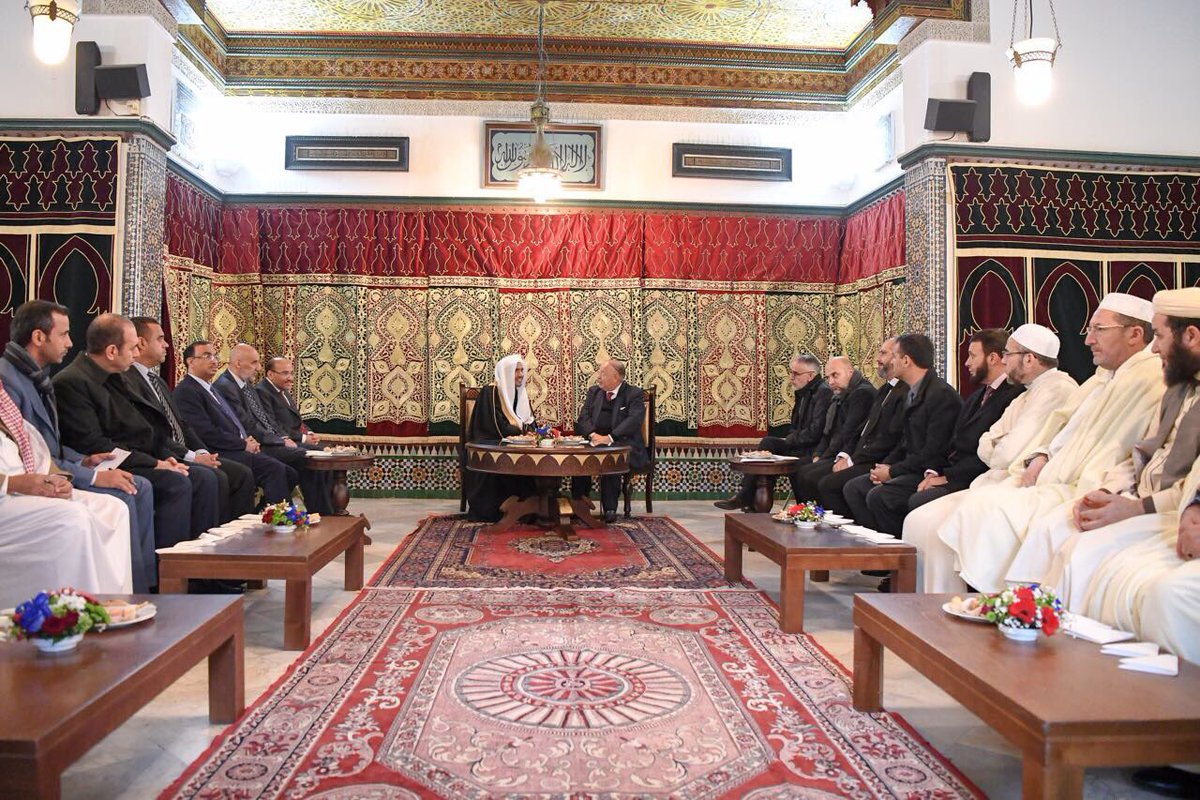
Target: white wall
{"type": "Point", "coordinates": [1124, 80]}
{"type": "Point", "coordinates": [30, 89]}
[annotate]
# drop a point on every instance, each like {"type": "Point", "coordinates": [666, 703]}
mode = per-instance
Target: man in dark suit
{"type": "Point", "coordinates": [98, 413]}
{"type": "Point", "coordinates": [853, 395]}
{"type": "Point", "coordinates": [41, 337]}
{"type": "Point", "coordinates": [275, 391]}
{"type": "Point", "coordinates": [879, 435]}
{"type": "Point", "coordinates": [812, 399]}
{"type": "Point", "coordinates": [612, 413]}
{"type": "Point", "coordinates": [879, 499]}
{"type": "Point", "coordinates": [234, 385]}
{"type": "Point", "coordinates": [235, 481]}
{"type": "Point", "coordinates": [218, 425]}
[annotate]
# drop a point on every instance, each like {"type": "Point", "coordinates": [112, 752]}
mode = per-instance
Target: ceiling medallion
{"type": "Point", "coordinates": [560, 11]}
{"type": "Point", "coordinates": [374, 10]}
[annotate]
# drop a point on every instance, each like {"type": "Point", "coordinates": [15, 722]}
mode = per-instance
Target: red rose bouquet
{"type": "Point", "coordinates": [285, 514]}
{"type": "Point", "coordinates": [1024, 607]}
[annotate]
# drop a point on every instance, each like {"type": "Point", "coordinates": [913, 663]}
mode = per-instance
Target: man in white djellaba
{"type": "Point", "coordinates": [1079, 443]}
{"type": "Point", "coordinates": [1030, 359]}
{"type": "Point", "coordinates": [50, 535]}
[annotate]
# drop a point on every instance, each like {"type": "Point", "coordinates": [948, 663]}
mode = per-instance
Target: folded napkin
{"type": "Point", "coordinates": [255, 517]}
{"type": "Point", "coordinates": [870, 535]}
{"type": "Point", "coordinates": [189, 546]}
{"type": "Point", "coordinates": [1165, 664]}
{"type": "Point", "coordinates": [1130, 649]}
{"type": "Point", "coordinates": [1091, 630]}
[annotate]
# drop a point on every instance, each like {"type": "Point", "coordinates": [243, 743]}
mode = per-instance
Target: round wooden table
{"type": "Point", "coordinates": [547, 466]}
{"type": "Point", "coordinates": [339, 466]}
{"type": "Point", "coordinates": [763, 471]}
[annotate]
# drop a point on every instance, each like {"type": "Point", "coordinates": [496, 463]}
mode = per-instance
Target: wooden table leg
{"type": "Point", "coordinates": [733, 557]}
{"type": "Point", "coordinates": [868, 672]}
{"type": "Point", "coordinates": [172, 585]}
{"type": "Point", "coordinates": [354, 565]}
{"type": "Point", "coordinates": [339, 495]}
{"type": "Point", "coordinates": [582, 507]}
{"type": "Point", "coordinates": [764, 495]}
{"type": "Point", "coordinates": [297, 614]}
{"type": "Point", "coordinates": [514, 508]}
{"type": "Point", "coordinates": [904, 578]}
{"type": "Point", "coordinates": [791, 597]}
{"type": "Point", "coordinates": [1050, 781]}
{"type": "Point", "coordinates": [227, 679]}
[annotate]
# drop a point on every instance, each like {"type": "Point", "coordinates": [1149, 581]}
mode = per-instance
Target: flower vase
{"type": "Point", "coordinates": [806, 525]}
{"type": "Point", "coordinates": [1026, 635]}
{"type": "Point", "coordinates": [284, 528]}
{"type": "Point", "coordinates": [545, 443]}
{"type": "Point", "coordinates": [63, 645]}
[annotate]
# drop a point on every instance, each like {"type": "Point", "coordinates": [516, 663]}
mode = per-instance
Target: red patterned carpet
{"type": "Point", "coordinates": [652, 552]}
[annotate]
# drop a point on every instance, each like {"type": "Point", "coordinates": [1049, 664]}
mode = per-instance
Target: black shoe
{"type": "Point", "coordinates": [885, 585]}
{"type": "Point", "coordinates": [1168, 781]}
{"type": "Point", "coordinates": [876, 573]}
{"type": "Point", "coordinates": [732, 504]}
{"type": "Point", "coordinates": [209, 586]}
{"type": "Point", "coordinates": [610, 516]}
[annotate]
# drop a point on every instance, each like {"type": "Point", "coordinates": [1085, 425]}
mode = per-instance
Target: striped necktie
{"type": "Point", "coordinates": [160, 391]}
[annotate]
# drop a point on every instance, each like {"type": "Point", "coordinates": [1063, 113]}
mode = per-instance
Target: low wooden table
{"type": "Point", "coordinates": [339, 466]}
{"type": "Point", "coordinates": [1061, 702]}
{"type": "Point", "coordinates": [57, 707]}
{"type": "Point", "coordinates": [262, 554]}
{"type": "Point", "coordinates": [547, 466]}
{"type": "Point", "coordinates": [764, 473]}
{"type": "Point", "coordinates": [797, 551]}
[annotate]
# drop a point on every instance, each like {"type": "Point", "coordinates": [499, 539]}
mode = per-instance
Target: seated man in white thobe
{"type": "Point", "coordinates": [1031, 360]}
{"type": "Point", "coordinates": [50, 535]}
{"type": "Point", "coordinates": [1105, 417]}
{"type": "Point", "coordinates": [1140, 496]}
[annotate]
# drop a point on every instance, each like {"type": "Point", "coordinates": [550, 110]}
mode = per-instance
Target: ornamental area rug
{"type": "Point", "coordinates": [569, 693]}
{"type": "Point", "coordinates": [651, 552]}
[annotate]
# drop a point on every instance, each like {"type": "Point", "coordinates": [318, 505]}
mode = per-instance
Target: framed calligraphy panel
{"type": "Point", "coordinates": [576, 150]}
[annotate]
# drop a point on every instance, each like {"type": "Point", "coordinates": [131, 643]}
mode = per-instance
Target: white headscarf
{"type": "Point", "coordinates": [505, 387]}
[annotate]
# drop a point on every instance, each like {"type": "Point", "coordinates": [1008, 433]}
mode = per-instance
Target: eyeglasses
{"type": "Point", "coordinates": [1094, 329]}
{"type": "Point", "coordinates": [1007, 353]}
{"type": "Point", "coordinates": [802, 374]}
{"type": "Point", "coordinates": [207, 356]}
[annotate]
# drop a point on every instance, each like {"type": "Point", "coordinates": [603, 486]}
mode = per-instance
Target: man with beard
{"type": "Point", "coordinates": [1031, 361]}
{"type": "Point", "coordinates": [1141, 496]}
{"type": "Point", "coordinates": [1077, 446]}
{"type": "Point", "coordinates": [812, 398]}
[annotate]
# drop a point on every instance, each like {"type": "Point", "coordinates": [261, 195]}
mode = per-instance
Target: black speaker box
{"type": "Point", "coordinates": [949, 115]}
{"type": "Point", "coordinates": [122, 81]}
{"type": "Point", "coordinates": [87, 58]}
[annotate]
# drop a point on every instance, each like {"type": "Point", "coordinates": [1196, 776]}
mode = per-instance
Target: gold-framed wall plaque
{"type": "Point", "coordinates": [576, 148]}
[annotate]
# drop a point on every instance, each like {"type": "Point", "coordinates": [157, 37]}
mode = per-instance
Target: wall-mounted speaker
{"type": "Point", "coordinates": [122, 81]}
{"type": "Point", "coordinates": [972, 116]}
{"type": "Point", "coordinates": [87, 58]}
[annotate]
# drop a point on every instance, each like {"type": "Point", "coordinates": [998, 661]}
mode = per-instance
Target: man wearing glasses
{"type": "Point", "coordinates": [812, 399]}
{"type": "Point", "coordinates": [1031, 361]}
{"type": "Point", "coordinates": [1073, 451]}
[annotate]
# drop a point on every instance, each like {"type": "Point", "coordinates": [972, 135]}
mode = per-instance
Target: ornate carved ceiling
{"type": "Point", "coordinates": [719, 53]}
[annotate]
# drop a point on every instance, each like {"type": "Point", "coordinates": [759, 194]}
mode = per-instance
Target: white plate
{"type": "Point", "coordinates": [834, 519]}
{"type": "Point", "coordinates": [321, 454]}
{"type": "Point", "coordinates": [143, 614]}
{"type": "Point", "coordinates": [962, 615]}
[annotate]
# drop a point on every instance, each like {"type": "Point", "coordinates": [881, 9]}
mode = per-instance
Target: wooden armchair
{"type": "Point", "coordinates": [468, 396]}
{"type": "Point", "coordinates": [648, 471]}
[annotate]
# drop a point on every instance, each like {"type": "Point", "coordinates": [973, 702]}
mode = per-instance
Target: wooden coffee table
{"type": "Point", "coordinates": [764, 473]}
{"type": "Point", "coordinates": [339, 495]}
{"type": "Point", "coordinates": [1062, 703]}
{"type": "Point", "coordinates": [56, 708]}
{"type": "Point", "coordinates": [262, 555]}
{"type": "Point", "coordinates": [797, 551]}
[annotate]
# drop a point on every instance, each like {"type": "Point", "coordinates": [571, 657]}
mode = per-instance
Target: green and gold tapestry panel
{"type": "Point", "coordinates": [462, 334]}
{"type": "Point", "coordinates": [534, 325]}
{"type": "Point", "coordinates": [796, 324]}
{"type": "Point", "coordinates": [604, 325]}
{"type": "Point", "coordinates": [872, 323]}
{"type": "Point", "coordinates": [394, 325]}
{"type": "Point", "coordinates": [669, 359]}
{"type": "Point", "coordinates": [233, 317]}
{"type": "Point", "coordinates": [279, 322]}
{"type": "Point", "coordinates": [330, 353]}
{"type": "Point", "coordinates": [848, 328]}
{"type": "Point", "coordinates": [731, 350]}
{"type": "Point", "coordinates": [178, 286]}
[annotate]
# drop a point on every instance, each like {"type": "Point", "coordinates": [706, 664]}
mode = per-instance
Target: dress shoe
{"type": "Point", "coordinates": [1168, 781]}
{"type": "Point", "coordinates": [876, 573]}
{"type": "Point", "coordinates": [885, 585]}
{"type": "Point", "coordinates": [610, 516]}
{"type": "Point", "coordinates": [732, 504]}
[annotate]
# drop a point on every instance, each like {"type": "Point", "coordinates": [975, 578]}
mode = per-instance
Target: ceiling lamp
{"type": "Point", "coordinates": [540, 180]}
{"type": "Point", "coordinates": [1033, 57]}
{"type": "Point", "coordinates": [52, 26]}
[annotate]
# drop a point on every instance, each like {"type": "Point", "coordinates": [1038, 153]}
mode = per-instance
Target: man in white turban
{"type": "Point", "coordinates": [51, 536]}
{"type": "Point", "coordinates": [1078, 444]}
{"type": "Point", "coordinates": [1142, 495]}
{"type": "Point", "coordinates": [1030, 360]}
{"type": "Point", "coordinates": [502, 410]}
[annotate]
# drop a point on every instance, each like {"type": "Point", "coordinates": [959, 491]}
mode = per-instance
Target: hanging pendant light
{"type": "Point", "coordinates": [539, 179]}
{"type": "Point", "coordinates": [53, 23]}
{"type": "Point", "coordinates": [1033, 57]}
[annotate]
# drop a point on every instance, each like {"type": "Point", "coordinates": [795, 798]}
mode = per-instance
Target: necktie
{"type": "Point", "coordinates": [250, 397]}
{"type": "Point", "coordinates": [220, 401]}
{"type": "Point", "coordinates": [987, 393]}
{"type": "Point", "coordinates": [160, 391]}
{"type": "Point", "coordinates": [10, 415]}
{"type": "Point", "coordinates": [611, 395]}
